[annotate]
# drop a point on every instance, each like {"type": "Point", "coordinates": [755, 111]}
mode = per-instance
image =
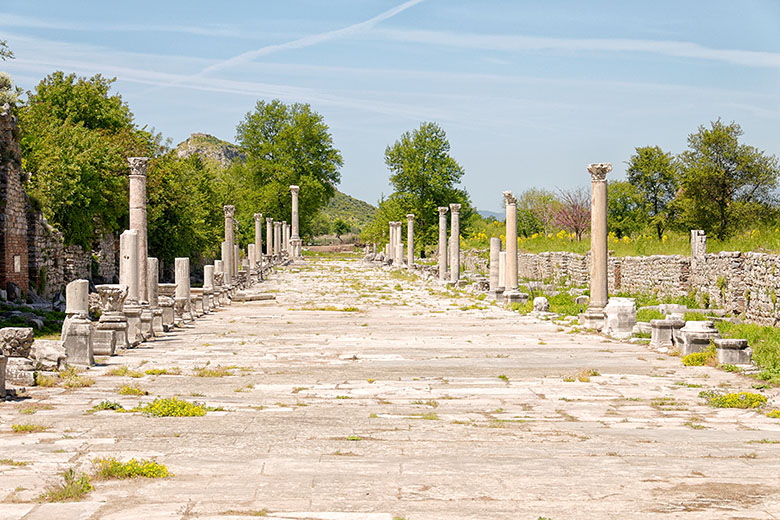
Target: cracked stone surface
{"type": "Point", "coordinates": [362, 394]}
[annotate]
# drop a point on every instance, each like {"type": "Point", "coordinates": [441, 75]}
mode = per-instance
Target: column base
{"type": "Point", "coordinates": [593, 319]}
{"type": "Point", "coordinates": [514, 296]}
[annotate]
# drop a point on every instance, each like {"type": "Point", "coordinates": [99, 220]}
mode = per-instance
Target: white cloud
{"type": "Point", "coordinates": [513, 43]}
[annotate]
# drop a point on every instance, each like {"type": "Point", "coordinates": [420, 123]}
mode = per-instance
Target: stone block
{"type": "Point", "coordinates": [104, 342]}
{"type": "Point", "coordinates": [696, 336]}
{"type": "Point", "coordinates": [620, 317]}
{"type": "Point", "coordinates": [20, 371]}
{"type": "Point", "coordinates": [48, 354]}
{"type": "Point", "coordinates": [77, 340]}
{"type": "Point", "coordinates": [16, 341]}
{"type": "Point", "coordinates": [513, 296]}
{"type": "Point", "coordinates": [733, 352]}
{"type": "Point", "coordinates": [541, 304]}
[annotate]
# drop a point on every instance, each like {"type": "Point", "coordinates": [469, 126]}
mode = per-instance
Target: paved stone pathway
{"type": "Point", "coordinates": [360, 394]}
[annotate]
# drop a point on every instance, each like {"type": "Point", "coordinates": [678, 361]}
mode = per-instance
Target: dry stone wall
{"type": "Point", "coordinates": [747, 284]}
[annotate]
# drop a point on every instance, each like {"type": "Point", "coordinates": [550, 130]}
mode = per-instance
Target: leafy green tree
{"type": "Point", "coordinates": [285, 145]}
{"type": "Point", "coordinates": [7, 93]}
{"type": "Point", "coordinates": [184, 217]}
{"type": "Point", "coordinates": [424, 176]}
{"type": "Point", "coordinates": [340, 228]}
{"type": "Point", "coordinates": [722, 179]}
{"type": "Point", "coordinates": [75, 138]}
{"type": "Point", "coordinates": [625, 208]}
{"type": "Point", "coordinates": [5, 52]}
{"type": "Point", "coordinates": [536, 209]}
{"type": "Point", "coordinates": [655, 176]}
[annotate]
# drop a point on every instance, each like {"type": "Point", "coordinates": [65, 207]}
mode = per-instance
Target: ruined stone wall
{"type": "Point", "coordinates": [13, 217]}
{"type": "Point", "coordinates": [46, 253]}
{"type": "Point", "coordinates": [108, 258]}
{"type": "Point", "coordinates": [747, 284]}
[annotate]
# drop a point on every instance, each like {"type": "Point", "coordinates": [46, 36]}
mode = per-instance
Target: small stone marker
{"type": "Point", "coordinates": [620, 317]}
{"type": "Point", "coordinates": [733, 352]}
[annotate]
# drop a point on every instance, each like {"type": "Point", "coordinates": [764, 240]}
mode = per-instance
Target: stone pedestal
{"type": "Point", "coordinates": [147, 327]}
{"type": "Point", "coordinates": [153, 274]}
{"type": "Point", "coordinates": [663, 333]}
{"type": "Point", "coordinates": [111, 330]}
{"type": "Point", "coordinates": [128, 275]}
{"type": "Point", "coordinates": [166, 299]}
{"type": "Point", "coordinates": [454, 243]}
{"type": "Point", "coordinates": [733, 352]}
{"type": "Point", "coordinates": [182, 304]}
{"type": "Point", "coordinates": [76, 334]}
{"type": "Point", "coordinates": [696, 336]}
{"type": "Point", "coordinates": [442, 242]}
{"type": "Point", "coordinates": [620, 317]}
{"type": "Point", "coordinates": [593, 317]}
{"type": "Point", "coordinates": [208, 286]}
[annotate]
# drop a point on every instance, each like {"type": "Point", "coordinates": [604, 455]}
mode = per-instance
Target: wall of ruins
{"type": "Point", "coordinates": [32, 252]}
{"type": "Point", "coordinates": [13, 217]}
{"type": "Point", "coordinates": [744, 283]}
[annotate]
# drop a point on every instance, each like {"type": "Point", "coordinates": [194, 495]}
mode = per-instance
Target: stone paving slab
{"type": "Point", "coordinates": [359, 393]}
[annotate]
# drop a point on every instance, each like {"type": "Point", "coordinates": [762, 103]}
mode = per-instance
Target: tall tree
{"type": "Point", "coordinates": [285, 145]}
{"type": "Point", "coordinates": [655, 176]}
{"type": "Point", "coordinates": [625, 208]}
{"type": "Point", "coordinates": [722, 179]}
{"type": "Point", "coordinates": [75, 138]}
{"type": "Point", "coordinates": [424, 176]}
{"type": "Point", "coordinates": [536, 210]}
{"type": "Point", "coordinates": [573, 211]}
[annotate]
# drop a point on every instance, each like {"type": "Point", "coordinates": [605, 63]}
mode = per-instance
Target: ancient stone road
{"type": "Point", "coordinates": [397, 410]}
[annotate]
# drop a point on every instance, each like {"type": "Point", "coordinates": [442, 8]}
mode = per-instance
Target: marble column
{"type": "Point", "coordinates": [128, 275]}
{"type": "Point", "coordinates": [153, 290]}
{"type": "Point", "coordinates": [277, 239]}
{"type": "Point", "coordinates": [443, 242]}
{"type": "Point", "coordinates": [287, 238]}
{"type": "Point", "coordinates": [511, 241]}
{"type": "Point", "coordinates": [454, 243]}
{"type": "Point", "coordinates": [208, 287]}
{"type": "Point", "coordinates": [410, 240]}
{"type": "Point", "coordinates": [269, 236]}
{"type": "Point", "coordinates": [593, 317]}
{"type": "Point", "coordinates": [236, 261]}
{"type": "Point", "coordinates": [398, 245]}
{"type": "Point", "coordinates": [182, 302]}
{"type": "Point", "coordinates": [77, 329]}
{"type": "Point", "coordinates": [296, 232]}
{"type": "Point", "coordinates": [391, 241]}
{"type": "Point", "coordinates": [230, 241]}
{"type": "Point", "coordinates": [259, 236]}
{"type": "Point", "coordinates": [138, 218]}
{"type": "Point", "coordinates": [502, 270]}
{"type": "Point", "coordinates": [495, 251]}
{"type": "Point", "coordinates": [251, 253]}
{"type": "Point", "coordinates": [226, 254]}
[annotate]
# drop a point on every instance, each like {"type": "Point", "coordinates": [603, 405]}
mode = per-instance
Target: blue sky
{"type": "Point", "coordinates": [528, 92]}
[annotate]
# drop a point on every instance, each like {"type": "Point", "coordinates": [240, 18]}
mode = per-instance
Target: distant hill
{"type": "Point", "coordinates": [210, 148]}
{"type": "Point", "coordinates": [355, 212]}
{"type": "Point", "coordinates": [496, 215]}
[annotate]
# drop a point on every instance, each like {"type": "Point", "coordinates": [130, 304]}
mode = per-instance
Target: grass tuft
{"type": "Point", "coordinates": [73, 487]}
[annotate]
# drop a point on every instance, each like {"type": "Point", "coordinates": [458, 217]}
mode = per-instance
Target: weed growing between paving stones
{"type": "Point", "coordinates": [45, 381]}
{"type": "Point", "coordinates": [235, 512]}
{"type": "Point", "coordinates": [131, 390]}
{"type": "Point", "coordinates": [111, 468]}
{"type": "Point", "coordinates": [173, 371]}
{"type": "Point", "coordinates": [72, 379]}
{"type": "Point", "coordinates": [32, 408]}
{"type": "Point", "coordinates": [171, 407]}
{"type": "Point", "coordinates": [353, 438]}
{"type": "Point", "coordinates": [213, 372]}
{"type": "Point", "coordinates": [774, 414]}
{"type": "Point", "coordinates": [73, 487]}
{"type": "Point", "coordinates": [123, 370]}
{"type": "Point", "coordinates": [430, 402]}
{"type": "Point", "coordinates": [15, 463]}
{"type": "Point", "coordinates": [29, 428]}
{"type": "Point", "coordinates": [697, 359]}
{"type": "Point", "coordinates": [503, 378]}
{"type": "Point", "coordinates": [733, 400]}
{"type": "Point", "coordinates": [105, 405]}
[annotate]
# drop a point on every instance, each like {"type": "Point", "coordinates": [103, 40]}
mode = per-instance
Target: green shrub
{"type": "Point", "coordinates": [28, 428]}
{"type": "Point", "coordinates": [172, 407]}
{"type": "Point", "coordinates": [734, 400]}
{"type": "Point", "coordinates": [774, 414]}
{"type": "Point", "coordinates": [111, 468]}
{"type": "Point", "coordinates": [73, 487]}
{"type": "Point", "coordinates": [696, 359]}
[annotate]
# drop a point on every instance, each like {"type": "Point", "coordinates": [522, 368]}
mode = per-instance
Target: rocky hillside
{"type": "Point", "coordinates": [210, 149]}
{"type": "Point", "coordinates": [354, 212]}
